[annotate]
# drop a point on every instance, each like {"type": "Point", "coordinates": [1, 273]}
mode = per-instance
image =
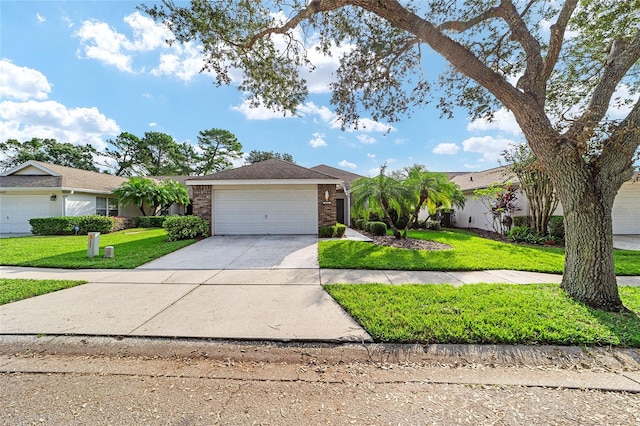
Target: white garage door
{"type": "Point", "coordinates": [16, 210]}
{"type": "Point", "coordinates": [267, 211]}
{"type": "Point", "coordinates": [626, 210]}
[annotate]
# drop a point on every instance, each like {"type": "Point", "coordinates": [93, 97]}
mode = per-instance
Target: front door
{"type": "Point", "coordinates": [340, 210]}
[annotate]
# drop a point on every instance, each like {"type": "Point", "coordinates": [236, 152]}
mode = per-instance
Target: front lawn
{"type": "Point", "coordinates": [469, 253]}
{"type": "Point", "coordinates": [487, 314]}
{"type": "Point", "coordinates": [12, 290]}
{"type": "Point", "coordinates": [133, 247]}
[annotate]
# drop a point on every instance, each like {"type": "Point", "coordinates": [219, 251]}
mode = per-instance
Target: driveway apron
{"type": "Point", "coordinates": [244, 252]}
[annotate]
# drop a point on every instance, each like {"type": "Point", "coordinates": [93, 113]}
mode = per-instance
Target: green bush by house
{"type": "Point", "coordinates": [65, 225]}
{"type": "Point", "coordinates": [185, 227]}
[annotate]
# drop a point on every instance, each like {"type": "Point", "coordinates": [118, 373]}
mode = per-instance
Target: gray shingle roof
{"type": "Point", "coordinates": [476, 180]}
{"type": "Point", "coordinates": [346, 176]}
{"type": "Point", "coordinates": [269, 169]}
{"type": "Point", "coordinates": [69, 178]}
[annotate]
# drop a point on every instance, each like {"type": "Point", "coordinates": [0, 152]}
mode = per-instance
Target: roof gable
{"type": "Point", "coordinates": [345, 175]}
{"type": "Point", "coordinates": [69, 177]}
{"type": "Point", "coordinates": [477, 180]}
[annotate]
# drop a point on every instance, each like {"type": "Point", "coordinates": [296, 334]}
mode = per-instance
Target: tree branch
{"type": "Point", "coordinates": [622, 57]}
{"type": "Point", "coordinates": [531, 81]}
{"type": "Point", "coordinates": [461, 26]}
{"type": "Point", "coordinates": [557, 37]}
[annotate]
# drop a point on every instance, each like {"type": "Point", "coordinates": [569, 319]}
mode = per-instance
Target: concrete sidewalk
{"type": "Point", "coordinates": [267, 304]}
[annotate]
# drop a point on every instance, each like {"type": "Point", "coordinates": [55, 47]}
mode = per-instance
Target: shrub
{"type": "Point", "coordinates": [150, 221]}
{"type": "Point", "coordinates": [52, 225]}
{"type": "Point", "coordinates": [338, 230]}
{"type": "Point", "coordinates": [185, 227]}
{"type": "Point", "coordinates": [519, 233]}
{"type": "Point", "coordinates": [102, 224]}
{"type": "Point", "coordinates": [360, 223]}
{"type": "Point", "coordinates": [64, 225]}
{"type": "Point", "coordinates": [556, 227]}
{"type": "Point", "coordinates": [377, 228]}
{"type": "Point", "coordinates": [522, 221]}
{"type": "Point", "coordinates": [432, 225]}
{"type": "Point", "coordinates": [120, 223]}
{"type": "Point", "coordinates": [326, 232]}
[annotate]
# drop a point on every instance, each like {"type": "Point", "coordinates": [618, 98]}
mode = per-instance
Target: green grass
{"type": "Point", "coordinates": [133, 247]}
{"type": "Point", "coordinates": [12, 290]}
{"type": "Point", "coordinates": [469, 253]}
{"type": "Point", "coordinates": [487, 314]}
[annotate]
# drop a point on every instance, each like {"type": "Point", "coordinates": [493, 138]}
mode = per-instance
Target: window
{"type": "Point", "coordinates": [106, 206]}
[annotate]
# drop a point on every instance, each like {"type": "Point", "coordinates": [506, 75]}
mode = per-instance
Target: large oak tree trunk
{"type": "Point", "coordinates": [589, 275]}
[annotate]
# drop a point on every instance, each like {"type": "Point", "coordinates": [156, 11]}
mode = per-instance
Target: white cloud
{"type": "Point", "coordinates": [348, 165]}
{"type": "Point", "coordinates": [373, 172]}
{"type": "Point", "coordinates": [503, 121]}
{"type": "Point", "coordinates": [371, 155]}
{"type": "Point", "coordinates": [50, 119]}
{"type": "Point", "coordinates": [30, 115]}
{"type": "Point", "coordinates": [317, 141]}
{"type": "Point", "coordinates": [101, 42]}
{"type": "Point", "coordinates": [366, 139]}
{"type": "Point", "coordinates": [22, 83]}
{"type": "Point", "coordinates": [400, 141]}
{"type": "Point", "coordinates": [489, 146]}
{"type": "Point", "coordinates": [446, 149]}
{"type": "Point", "coordinates": [68, 21]}
{"type": "Point", "coordinates": [258, 113]}
{"type": "Point", "coordinates": [619, 109]}
{"type": "Point", "coordinates": [153, 124]}
{"type": "Point", "coordinates": [185, 63]}
{"type": "Point", "coordinates": [40, 18]}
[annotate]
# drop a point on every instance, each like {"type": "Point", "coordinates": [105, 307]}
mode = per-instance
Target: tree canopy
{"type": "Point", "coordinates": [255, 156]}
{"type": "Point", "coordinates": [159, 154]}
{"type": "Point", "coordinates": [151, 196]}
{"type": "Point", "coordinates": [556, 65]}
{"type": "Point", "coordinates": [48, 151]}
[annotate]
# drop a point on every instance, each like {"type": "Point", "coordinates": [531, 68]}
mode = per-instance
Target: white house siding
{"type": "Point", "coordinates": [80, 205]}
{"type": "Point", "coordinates": [626, 209]}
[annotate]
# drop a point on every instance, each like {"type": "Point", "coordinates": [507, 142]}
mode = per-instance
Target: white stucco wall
{"type": "Point", "coordinates": [80, 205]}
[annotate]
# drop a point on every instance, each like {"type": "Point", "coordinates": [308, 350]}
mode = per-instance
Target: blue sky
{"type": "Point", "coordinates": [82, 72]}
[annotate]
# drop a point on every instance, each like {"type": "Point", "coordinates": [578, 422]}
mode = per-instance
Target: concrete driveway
{"type": "Point", "coordinates": [244, 252]}
{"type": "Point", "coordinates": [626, 242]}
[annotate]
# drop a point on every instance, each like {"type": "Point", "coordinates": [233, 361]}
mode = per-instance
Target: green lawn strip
{"type": "Point", "coordinates": [487, 314]}
{"type": "Point", "coordinates": [469, 253]}
{"type": "Point", "coordinates": [12, 290]}
{"type": "Point", "coordinates": [133, 247]}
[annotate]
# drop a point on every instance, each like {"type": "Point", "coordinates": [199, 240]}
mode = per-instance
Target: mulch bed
{"type": "Point", "coordinates": [406, 243]}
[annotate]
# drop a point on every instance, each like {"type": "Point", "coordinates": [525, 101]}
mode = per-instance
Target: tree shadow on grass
{"type": "Point", "coordinates": [624, 325]}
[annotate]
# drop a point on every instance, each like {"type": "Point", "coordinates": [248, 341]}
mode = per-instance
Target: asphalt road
{"type": "Point", "coordinates": [198, 383]}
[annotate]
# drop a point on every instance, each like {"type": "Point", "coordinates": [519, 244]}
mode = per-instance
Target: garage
{"type": "Point", "coordinates": [626, 210]}
{"type": "Point", "coordinates": [271, 197]}
{"type": "Point", "coordinates": [262, 211]}
{"type": "Point", "coordinates": [16, 210]}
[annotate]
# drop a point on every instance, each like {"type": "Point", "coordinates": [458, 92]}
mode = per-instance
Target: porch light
{"type": "Point", "coordinates": [53, 197]}
{"type": "Point", "coordinates": [326, 195]}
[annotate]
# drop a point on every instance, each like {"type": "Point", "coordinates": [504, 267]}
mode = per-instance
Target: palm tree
{"type": "Point", "coordinates": [378, 195]}
{"type": "Point", "coordinates": [137, 190]}
{"type": "Point", "coordinates": [432, 190]}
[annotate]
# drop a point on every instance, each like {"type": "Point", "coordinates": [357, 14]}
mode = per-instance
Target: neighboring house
{"type": "Point", "coordinates": [626, 207]}
{"type": "Point", "coordinates": [35, 189]}
{"type": "Point", "coordinates": [344, 202]}
{"type": "Point", "coordinates": [269, 197]}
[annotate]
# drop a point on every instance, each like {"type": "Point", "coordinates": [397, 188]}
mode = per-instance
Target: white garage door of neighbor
{"type": "Point", "coordinates": [626, 210]}
{"type": "Point", "coordinates": [16, 210]}
{"type": "Point", "coordinates": [267, 211]}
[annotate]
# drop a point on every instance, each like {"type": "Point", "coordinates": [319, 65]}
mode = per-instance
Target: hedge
{"type": "Point", "coordinates": [65, 225]}
{"type": "Point", "coordinates": [185, 227]}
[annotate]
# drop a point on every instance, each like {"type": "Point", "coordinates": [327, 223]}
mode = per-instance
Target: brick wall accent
{"type": "Point", "coordinates": [326, 212]}
{"type": "Point", "coordinates": [202, 203]}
